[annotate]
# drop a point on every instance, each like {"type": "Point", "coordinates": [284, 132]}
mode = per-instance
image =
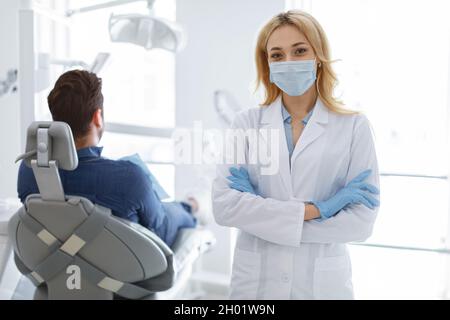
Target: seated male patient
{"type": "Point", "coordinates": [122, 186]}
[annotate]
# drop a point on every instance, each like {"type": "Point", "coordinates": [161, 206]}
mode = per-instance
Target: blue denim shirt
{"type": "Point", "coordinates": [121, 186]}
{"type": "Point", "coordinates": [288, 127]}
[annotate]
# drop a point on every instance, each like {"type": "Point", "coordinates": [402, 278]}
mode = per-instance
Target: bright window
{"type": "Point", "coordinates": [394, 66]}
{"type": "Point", "coordinates": [56, 46]}
{"type": "Point", "coordinates": [138, 85]}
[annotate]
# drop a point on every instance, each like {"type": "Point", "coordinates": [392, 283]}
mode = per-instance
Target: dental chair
{"type": "Point", "coordinates": [71, 248]}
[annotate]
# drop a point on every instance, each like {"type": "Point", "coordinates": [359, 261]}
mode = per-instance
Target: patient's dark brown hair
{"type": "Point", "coordinates": [74, 99]}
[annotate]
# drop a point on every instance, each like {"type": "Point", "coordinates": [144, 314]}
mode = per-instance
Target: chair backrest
{"type": "Point", "coordinates": [75, 248]}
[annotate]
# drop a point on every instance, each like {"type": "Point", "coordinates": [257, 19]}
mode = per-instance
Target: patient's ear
{"type": "Point", "coordinates": [97, 118]}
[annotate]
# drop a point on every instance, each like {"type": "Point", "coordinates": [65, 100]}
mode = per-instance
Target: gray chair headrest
{"type": "Point", "coordinates": [56, 143]}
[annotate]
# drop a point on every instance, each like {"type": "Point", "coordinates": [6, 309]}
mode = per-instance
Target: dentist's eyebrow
{"type": "Point", "coordinates": [298, 43]}
{"type": "Point", "coordinates": [276, 48]}
{"type": "Point", "coordinates": [294, 45]}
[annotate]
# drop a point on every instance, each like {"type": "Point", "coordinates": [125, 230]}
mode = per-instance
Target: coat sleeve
{"type": "Point", "coordinates": [273, 220]}
{"type": "Point", "coordinates": [355, 222]}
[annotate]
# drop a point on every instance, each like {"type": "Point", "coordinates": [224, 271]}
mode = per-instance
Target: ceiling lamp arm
{"type": "Point", "coordinates": [69, 63]}
{"type": "Point", "coordinates": [105, 5]}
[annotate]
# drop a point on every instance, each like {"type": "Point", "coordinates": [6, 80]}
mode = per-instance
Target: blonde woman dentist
{"type": "Point", "coordinates": [294, 225]}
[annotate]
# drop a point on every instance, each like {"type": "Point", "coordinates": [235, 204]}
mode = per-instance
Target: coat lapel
{"type": "Point", "coordinates": [313, 130]}
{"type": "Point", "coordinates": [271, 118]}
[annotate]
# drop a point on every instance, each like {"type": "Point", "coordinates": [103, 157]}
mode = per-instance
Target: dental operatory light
{"type": "Point", "coordinates": [147, 31]}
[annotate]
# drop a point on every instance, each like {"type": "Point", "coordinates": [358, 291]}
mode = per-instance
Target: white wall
{"type": "Point", "coordinates": [218, 55]}
{"type": "Point", "coordinates": [9, 104]}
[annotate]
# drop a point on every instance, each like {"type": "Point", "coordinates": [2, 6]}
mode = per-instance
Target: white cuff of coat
{"type": "Point", "coordinates": [299, 207]}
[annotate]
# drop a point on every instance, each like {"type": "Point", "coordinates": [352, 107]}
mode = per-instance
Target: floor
{"type": "Point", "coordinates": [24, 290]}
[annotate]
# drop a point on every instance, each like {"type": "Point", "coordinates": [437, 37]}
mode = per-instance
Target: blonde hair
{"type": "Point", "coordinates": [326, 78]}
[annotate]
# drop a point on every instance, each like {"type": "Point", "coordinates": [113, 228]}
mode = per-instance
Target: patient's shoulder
{"type": "Point", "coordinates": [127, 167]}
{"type": "Point", "coordinates": [133, 172]}
{"type": "Point", "coordinates": [118, 170]}
{"type": "Point", "coordinates": [127, 177]}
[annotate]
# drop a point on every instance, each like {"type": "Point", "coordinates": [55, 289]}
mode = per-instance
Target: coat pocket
{"type": "Point", "coordinates": [333, 278]}
{"type": "Point", "coordinates": [245, 275]}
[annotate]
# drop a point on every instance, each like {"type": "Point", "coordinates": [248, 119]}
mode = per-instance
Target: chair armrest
{"type": "Point", "coordinates": [188, 245]}
{"type": "Point", "coordinates": [164, 247]}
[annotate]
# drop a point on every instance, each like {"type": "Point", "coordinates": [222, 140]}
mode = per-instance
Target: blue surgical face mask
{"type": "Point", "coordinates": [293, 77]}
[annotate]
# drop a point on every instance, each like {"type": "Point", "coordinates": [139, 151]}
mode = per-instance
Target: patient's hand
{"type": "Point", "coordinates": [193, 203]}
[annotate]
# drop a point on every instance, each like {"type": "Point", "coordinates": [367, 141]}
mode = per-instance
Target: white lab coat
{"type": "Point", "coordinates": [278, 255]}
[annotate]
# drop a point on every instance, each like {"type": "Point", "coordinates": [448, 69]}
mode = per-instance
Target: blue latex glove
{"type": "Point", "coordinates": [240, 180]}
{"type": "Point", "coordinates": [352, 193]}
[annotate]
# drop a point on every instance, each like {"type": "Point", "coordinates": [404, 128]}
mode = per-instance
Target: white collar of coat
{"type": "Point", "coordinates": [272, 113]}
